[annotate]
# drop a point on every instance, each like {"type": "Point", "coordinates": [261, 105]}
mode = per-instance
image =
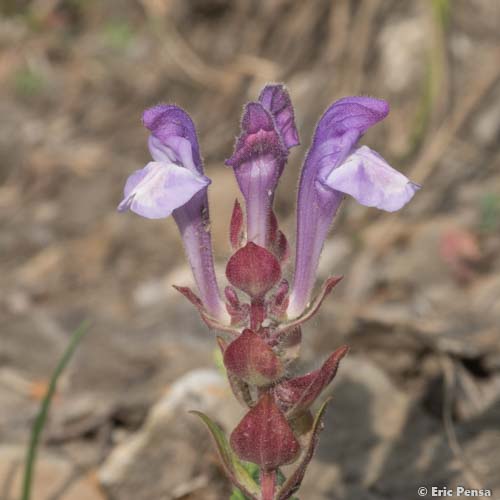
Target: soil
{"type": "Point", "coordinates": [416, 403]}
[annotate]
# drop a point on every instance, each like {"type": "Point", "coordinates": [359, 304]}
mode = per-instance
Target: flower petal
{"type": "Point", "coordinates": [275, 99]}
{"type": "Point", "coordinates": [175, 136]}
{"type": "Point", "coordinates": [175, 150]}
{"type": "Point", "coordinates": [132, 182]}
{"type": "Point", "coordinates": [356, 112]}
{"type": "Point", "coordinates": [368, 178]}
{"type": "Point", "coordinates": [159, 188]}
{"type": "Point", "coordinates": [344, 122]}
{"type": "Point", "coordinates": [259, 137]}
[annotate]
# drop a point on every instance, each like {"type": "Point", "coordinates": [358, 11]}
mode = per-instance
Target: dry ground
{"type": "Point", "coordinates": [418, 400]}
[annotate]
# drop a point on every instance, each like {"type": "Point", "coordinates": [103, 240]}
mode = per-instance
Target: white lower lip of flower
{"type": "Point", "coordinates": [368, 178]}
{"type": "Point", "coordinates": [162, 188]}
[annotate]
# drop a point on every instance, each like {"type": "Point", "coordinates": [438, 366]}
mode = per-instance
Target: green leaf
{"type": "Point", "coordinates": [237, 495]}
{"type": "Point", "coordinates": [219, 361]}
{"type": "Point", "coordinates": [235, 469]}
{"type": "Point", "coordinates": [38, 425]}
{"type": "Point", "coordinates": [254, 471]}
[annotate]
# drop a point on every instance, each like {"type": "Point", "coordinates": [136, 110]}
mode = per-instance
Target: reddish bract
{"type": "Point", "coordinates": [264, 437]}
{"type": "Point", "coordinates": [253, 269]}
{"type": "Point", "coordinates": [296, 395]}
{"type": "Point", "coordinates": [236, 230]}
{"type": "Point", "coordinates": [251, 359]}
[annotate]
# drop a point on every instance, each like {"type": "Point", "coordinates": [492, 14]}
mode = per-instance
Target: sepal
{"type": "Point", "coordinates": [209, 320]}
{"type": "Point", "coordinates": [279, 301]}
{"type": "Point", "coordinates": [239, 312]}
{"type": "Point", "coordinates": [277, 242]}
{"type": "Point", "coordinates": [312, 309]}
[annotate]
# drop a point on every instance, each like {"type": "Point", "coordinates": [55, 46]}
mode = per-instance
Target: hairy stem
{"type": "Point", "coordinates": [268, 484]}
{"type": "Point", "coordinates": [257, 313]}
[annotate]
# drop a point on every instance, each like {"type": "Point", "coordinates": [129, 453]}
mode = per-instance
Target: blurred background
{"type": "Point", "coordinates": [417, 401]}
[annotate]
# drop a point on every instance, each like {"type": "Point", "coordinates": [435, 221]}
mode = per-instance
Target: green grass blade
{"type": "Point", "coordinates": [41, 418]}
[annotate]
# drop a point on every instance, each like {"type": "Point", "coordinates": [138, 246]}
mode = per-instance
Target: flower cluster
{"type": "Point", "coordinates": [259, 315]}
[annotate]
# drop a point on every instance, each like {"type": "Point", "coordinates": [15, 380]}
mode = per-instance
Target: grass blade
{"type": "Point", "coordinates": [41, 418]}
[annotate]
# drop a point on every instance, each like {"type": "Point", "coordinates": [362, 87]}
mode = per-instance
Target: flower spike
{"type": "Point", "coordinates": [260, 316]}
{"type": "Point", "coordinates": [332, 169]}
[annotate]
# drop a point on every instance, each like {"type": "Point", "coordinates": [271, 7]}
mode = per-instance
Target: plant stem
{"type": "Point", "coordinates": [257, 313]}
{"type": "Point", "coordinates": [268, 484]}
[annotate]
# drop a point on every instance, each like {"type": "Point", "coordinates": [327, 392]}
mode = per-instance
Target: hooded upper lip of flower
{"type": "Point", "coordinates": [333, 168]}
{"type": "Point", "coordinates": [361, 173]}
{"type": "Point", "coordinates": [275, 98]}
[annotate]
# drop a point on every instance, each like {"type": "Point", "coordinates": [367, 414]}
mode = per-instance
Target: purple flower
{"type": "Point", "coordinates": [174, 183]}
{"type": "Point", "coordinates": [261, 151]}
{"type": "Point", "coordinates": [333, 168]}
